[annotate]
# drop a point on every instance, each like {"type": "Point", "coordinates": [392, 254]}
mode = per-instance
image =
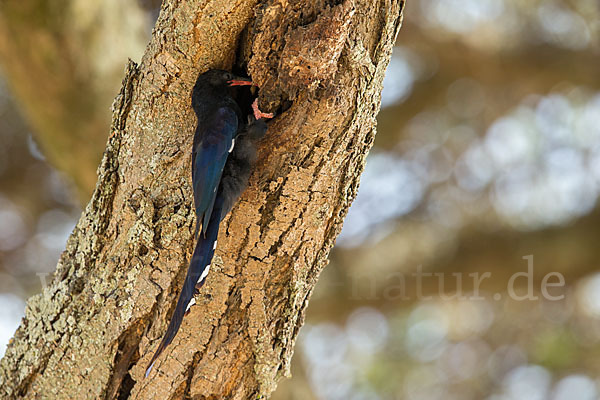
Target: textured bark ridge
{"type": "Point", "coordinates": [92, 332]}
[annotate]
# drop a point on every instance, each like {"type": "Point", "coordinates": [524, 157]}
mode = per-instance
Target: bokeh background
{"type": "Point", "coordinates": [486, 165]}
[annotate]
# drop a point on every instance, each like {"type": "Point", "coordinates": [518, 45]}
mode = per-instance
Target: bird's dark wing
{"type": "Point", "coordinates": [212, 144]}
{"type": "Point", "coordinates": [196, 275]}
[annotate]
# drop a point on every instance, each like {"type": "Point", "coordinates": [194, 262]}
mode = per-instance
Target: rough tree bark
{"type": "Point", "coordinates": [90, 334]}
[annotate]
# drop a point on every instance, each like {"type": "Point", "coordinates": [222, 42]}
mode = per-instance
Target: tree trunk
{"type": "Point", "coordinates": [91, 333]}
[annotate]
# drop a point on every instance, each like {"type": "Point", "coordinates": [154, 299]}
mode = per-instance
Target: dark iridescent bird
{"type": "Point", "coordinates": [223, 152]}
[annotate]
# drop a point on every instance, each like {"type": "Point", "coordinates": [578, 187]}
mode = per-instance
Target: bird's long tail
{"type": "Point", "coordinates": [196, 275]}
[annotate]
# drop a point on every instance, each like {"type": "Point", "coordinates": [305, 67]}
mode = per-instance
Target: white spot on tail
{"type": "Point", "coordinates": [204, 273]}
{"type": "Point", "coordinates": [150, 368]}
{"type": "Point", "coordinates": [232, 144]}
{"type": "Point", "coordinates": [190, 304]}
{"type": "Point", "coordinates": [215, 245]}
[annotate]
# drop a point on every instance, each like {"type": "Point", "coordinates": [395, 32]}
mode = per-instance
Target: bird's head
{"type": "Point", "coordinates": [213, 84]}
{"type": "Point", "coordinates": [220, 79]}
